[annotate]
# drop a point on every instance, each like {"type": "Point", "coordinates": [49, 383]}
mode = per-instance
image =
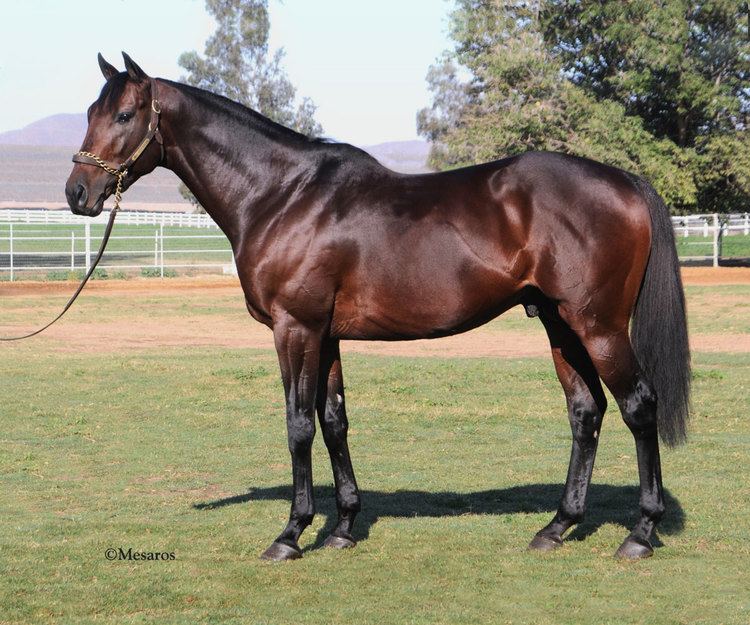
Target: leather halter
{"type": "Point", "coordinates": [121, 170]}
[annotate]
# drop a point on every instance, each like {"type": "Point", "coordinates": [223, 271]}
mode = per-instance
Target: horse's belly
{"type": "Point", "coordinates": [418, 304]}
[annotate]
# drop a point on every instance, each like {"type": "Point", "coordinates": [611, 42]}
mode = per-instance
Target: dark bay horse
{"type": "Point", "coordinates": [331, 245]}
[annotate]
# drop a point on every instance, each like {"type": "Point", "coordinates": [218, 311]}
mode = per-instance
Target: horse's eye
{"type": "Point", "coordinates": [123, 118]}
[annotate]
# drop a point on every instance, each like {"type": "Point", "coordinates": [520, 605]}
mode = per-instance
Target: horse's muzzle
{"type": "Point", "coordinates": [78, 198]}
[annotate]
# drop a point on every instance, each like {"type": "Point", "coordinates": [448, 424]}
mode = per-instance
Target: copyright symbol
{"type": "Point", "coordinates": [110, 554]}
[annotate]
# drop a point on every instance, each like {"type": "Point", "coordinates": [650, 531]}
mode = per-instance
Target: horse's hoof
{"type": "Point", "coordinates": [634, 549]}
{"type": "Point", "coordinates": [339, 542]}
{"type": "Point", "coordinates": [279, 552]}
{"type": "Point", "coordinates": [545, 542]}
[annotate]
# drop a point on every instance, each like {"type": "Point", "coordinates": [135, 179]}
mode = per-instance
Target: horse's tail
{"type": "Point", "coordinates": [659, 325]}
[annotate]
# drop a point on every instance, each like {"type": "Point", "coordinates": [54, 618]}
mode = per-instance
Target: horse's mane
{"type": "Point", "coordinates": [246, 116]}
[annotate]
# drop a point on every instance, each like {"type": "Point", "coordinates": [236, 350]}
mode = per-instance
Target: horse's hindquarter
{"type": "Point", "coordinates": [590, 236]}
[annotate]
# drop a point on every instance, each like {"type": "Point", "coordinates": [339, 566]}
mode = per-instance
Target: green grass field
{"type": "Point", "coordinates": [460, 461]}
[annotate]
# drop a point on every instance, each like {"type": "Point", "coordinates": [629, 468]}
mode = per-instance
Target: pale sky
{"type": "Point", "coordinates": [363, 63]}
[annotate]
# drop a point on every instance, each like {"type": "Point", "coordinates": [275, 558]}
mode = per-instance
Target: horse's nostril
{"type": "Point", "coordinates": [81, 195]}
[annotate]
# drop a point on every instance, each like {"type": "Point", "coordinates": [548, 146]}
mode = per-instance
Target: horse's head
{"type": "Point", "coordinates": [122, 134]}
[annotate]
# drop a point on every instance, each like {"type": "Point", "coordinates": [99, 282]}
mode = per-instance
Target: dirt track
{"type": "Point", "coordinates": [131, 330]}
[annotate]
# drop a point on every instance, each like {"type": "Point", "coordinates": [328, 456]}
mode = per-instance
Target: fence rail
{"type": "Point", "coordinates": [33, 242]}
{"type": "Point", "coordinates": [130, 218]}
{"type": "Point", "coordinates": [713, 235]}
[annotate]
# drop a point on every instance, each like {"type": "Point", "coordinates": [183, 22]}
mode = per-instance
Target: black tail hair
{"type": "Point", "coordinates": [659, 325]}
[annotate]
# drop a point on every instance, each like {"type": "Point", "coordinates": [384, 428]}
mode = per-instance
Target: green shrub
{"type": "Point", "coordinates": [155, 272]}
{"type": "Point", "coordinates": [60, 275]}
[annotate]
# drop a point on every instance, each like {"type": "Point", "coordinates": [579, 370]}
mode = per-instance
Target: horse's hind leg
{"type": "Point", "coordinates": [586, 406]}
{"type": "Point", "coordinates": [333, 423]}
{"type": "Point", "coordinates": [613, 357]}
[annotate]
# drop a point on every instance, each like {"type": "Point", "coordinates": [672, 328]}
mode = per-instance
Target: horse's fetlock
{"type": "Point", "coordinates": [653, 510]}
{"type": "Point", "coordinates": [572, 512]}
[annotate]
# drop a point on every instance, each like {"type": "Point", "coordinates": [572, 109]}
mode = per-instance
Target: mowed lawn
{"type": "Point", "coordinates": [460, 461]}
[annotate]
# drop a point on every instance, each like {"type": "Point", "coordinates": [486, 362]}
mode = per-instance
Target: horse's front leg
{"type": "Point", "coordinates": [298, 348]}
{"type": "Point", "coordinates": [333, 423]}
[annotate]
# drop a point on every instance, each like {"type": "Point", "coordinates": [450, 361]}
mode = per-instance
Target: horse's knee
{"type": "Point", "coordinates": [639, 409]}
{"type": "Point", "coordinates": [301, 432]}
{"type": "Point", "coordinates": [585, 419]}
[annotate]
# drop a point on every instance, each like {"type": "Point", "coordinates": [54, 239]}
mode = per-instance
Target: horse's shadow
{"type": "Point", "coordinates": [606, 504]}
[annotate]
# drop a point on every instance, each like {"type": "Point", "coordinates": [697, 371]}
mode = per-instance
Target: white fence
{"type": "Point", "coordinates": [157, 244]}
{"type": "Point", "coordinates": [713, 228]}
{"type": "Point", "coordinates": [36, 241]}
{"type": "Point", "coordinates": [129, 218]}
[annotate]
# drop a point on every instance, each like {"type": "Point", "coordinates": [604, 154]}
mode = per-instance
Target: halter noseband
{"type": "Point", "coordinates": [121, 170]}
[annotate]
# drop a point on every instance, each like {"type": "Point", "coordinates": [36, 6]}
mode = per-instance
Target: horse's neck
{"type": "Point", "coordinates": [234, 169]}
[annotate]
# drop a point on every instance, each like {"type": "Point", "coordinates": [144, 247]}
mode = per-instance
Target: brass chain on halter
{"type": "Point", "coordinates": [110, 170]}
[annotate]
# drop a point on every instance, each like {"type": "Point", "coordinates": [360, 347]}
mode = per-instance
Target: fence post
{"type": "Point", "coordinates": [87, 247]}
{"type": "Point", "coordinates": [156, 249]}
{"type": "Point", "coordinates": [72, 250]}
{"type": "Point", "coordinates": [716, 239]}
{"type": "Point", "coordinates": [705, 227]}
{"type": "Point", "coordinates": [161, 249]}
{"type": "Point", "coordinates": [747, 224]}
{"type": "Point", "coordinates": [10, 254]}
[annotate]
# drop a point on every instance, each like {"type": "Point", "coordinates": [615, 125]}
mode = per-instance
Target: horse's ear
{"type": "Point", "coordinates": [135, 72]}
{"type": "Point", "coordinates": [107, 69]}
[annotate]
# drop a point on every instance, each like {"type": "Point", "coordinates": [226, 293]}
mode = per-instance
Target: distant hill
{"type": "Point", "coordinates": [30, 173]}
{"type": "Point", "coordinates": [64, 129]}
{"type": "Point", "coordinates": [35, 162]}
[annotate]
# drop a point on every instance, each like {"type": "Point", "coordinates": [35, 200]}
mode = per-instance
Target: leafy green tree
{"type": "Point", "coordinates": [588, 77]}
{"type": "Point", "coordinates": [683, 67]}
{"type": "Point", "coordinates": [237, 63]}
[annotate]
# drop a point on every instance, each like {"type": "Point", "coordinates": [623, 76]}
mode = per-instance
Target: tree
{"type": "Point", "coordinates": [238, 64]}
{"type": "Point", "coordinates": [589, 77]}
{"type": "Point", "coordinates": [683, 67]}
